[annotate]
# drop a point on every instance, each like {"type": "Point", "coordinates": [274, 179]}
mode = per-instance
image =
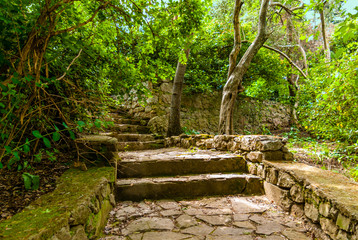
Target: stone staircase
{"type": "Point", "coordinates": [181, 173]}
{"type": "Point", "coordinates": [127, 134]}
{"type": "Point", "coordinates": [132, 134]}
{"type": "Point", "coordinates": [147, 170]}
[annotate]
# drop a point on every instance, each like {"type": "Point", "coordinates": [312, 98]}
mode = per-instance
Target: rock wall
{"type": "Point", "coordinates": [200, 112]}
{"type": "Point", "coordinates": [76, 210]}
{"type": "Point", "coordinates": [327, 199]}
{"type": "Point", "coordinates": [254, 148]}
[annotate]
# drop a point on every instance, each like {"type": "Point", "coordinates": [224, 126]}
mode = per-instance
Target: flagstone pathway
{"type": "Point", "coordinates": [214, 218]}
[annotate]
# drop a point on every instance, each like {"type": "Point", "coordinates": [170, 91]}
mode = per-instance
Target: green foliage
{"type": "Point", "coordinates": [328, 103]}
{"type": "Point", "coordinates": [31, 182]}
{"type": "Point", "coordinates": [189, 131]}
{"type": "Point", "coordinates": [78, 57]}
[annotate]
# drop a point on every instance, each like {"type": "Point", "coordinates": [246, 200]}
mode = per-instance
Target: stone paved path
{"type": "Point", "coordinates": [215, 218]}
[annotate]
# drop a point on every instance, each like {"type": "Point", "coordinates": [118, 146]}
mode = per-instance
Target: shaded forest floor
{"type": "Point", "coordinates": [13, 195]}
{"type": "Point", "coordinates": [319, 153]}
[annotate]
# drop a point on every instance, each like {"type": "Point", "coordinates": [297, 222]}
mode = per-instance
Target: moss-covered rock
{"type": "Point", "coordinates": [52, 212]}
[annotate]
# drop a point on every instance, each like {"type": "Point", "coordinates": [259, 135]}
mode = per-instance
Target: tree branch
{"type": "Point", "coordinates": [282, 6]}
{"type": "Point", "coordinates": [73, 60]}
{"type": "Point", "coordinates": [287, 58]}
{"type": "Point", "coordinates": [287, 9]}
{"type": "Point", "coordinates": [237, 37]}
{"type": "Point", "coordinates": [150, 27]}
{"type": "Point", "coordinates": [83, 23]}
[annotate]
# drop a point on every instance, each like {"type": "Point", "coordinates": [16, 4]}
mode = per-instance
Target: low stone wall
{"type": "Point", "coordinates": [77, 209]}
{"type": "Point", "coordinates": [254, 148]}
{"type": "Point", "coordinates": [328, 199]}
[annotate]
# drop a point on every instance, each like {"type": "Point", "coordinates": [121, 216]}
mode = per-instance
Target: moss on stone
{"type": "Point", "coordinates": [48, 214]}
{"type": "Point", "coordinates": [101, 217]}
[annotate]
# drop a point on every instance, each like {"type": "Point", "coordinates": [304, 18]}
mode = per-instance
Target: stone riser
{"type": "Point", "coordinates": [130, 137]}
{"type": "Point", "coordinates": [129, 121]}
{"type": "Point", "coordinates": [187, 187]}
{"type": "Point", "coordinates": [133, 146]}
{"type": "Point", "coordinates": [134, 137]}
{"type": "Point", "coordinates": [127, 128]}
{"type": "Point", "coordinates": [174, 167]}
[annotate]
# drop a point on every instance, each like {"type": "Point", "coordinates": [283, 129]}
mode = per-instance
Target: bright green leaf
{"type": "Point", "coordinates": [56, 136]}
{"type": "Point", "coordinates": [72, 135]}
{"type": "Point", "coordinates": [27, 180]}
{"type": "Point", "coordinates": [16, 155]}
{"type": "Point", "coordinates": [35, 182]}
{"type": "Point", "coordinates": [8, 149]}
{"type": "Point", "coordinates": [98, 123]}
{"type": "Point", "coordinates": [26, 148]}
{"type": "Point", "coordinates": [81, 123]}
{"type": "Point", "coordinates": [47, 142]}
{"type": "Point", "coordinates": [37, 134]}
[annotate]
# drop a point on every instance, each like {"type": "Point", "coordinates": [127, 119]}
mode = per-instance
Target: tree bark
{"type": "Point", "coordinates": [324, 35]}
{"type": "Point", "coordinates": [233, 84]}
{"type": "Point", "coordinates": [290, 75]}
{"type": "Point", "coordinates": [174, 127]}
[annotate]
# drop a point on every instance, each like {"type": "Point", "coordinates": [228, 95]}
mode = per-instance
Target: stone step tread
{"type": "Point", "coordinates": [130, 137]}
{"type": "Point", "coordinates": [170, 154]}
{"type": "Point", "coordinates": [188, 186]}
{"type": "Point", "coordinates": [184, 178]}
{"type": "Point", "coordinates": [148, 164]}
{"type": "Point", "coordinates": [138, 145]}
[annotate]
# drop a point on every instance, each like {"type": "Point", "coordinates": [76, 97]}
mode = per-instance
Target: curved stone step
{"type": "Point", "coordinates": [136, 189]}
{"type": "Point", "coordinates": [177, 162]}
{"type": "Point", "coordinates": [133, 146]}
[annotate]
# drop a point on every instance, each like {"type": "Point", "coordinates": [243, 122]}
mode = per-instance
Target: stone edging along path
{"type": "Point", "coordinates": [327, 199]}
{"type": "Point", "coordinates": [77, 209]}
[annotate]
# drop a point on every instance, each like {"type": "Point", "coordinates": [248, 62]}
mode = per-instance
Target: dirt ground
{"type": "Point", "coordinates": [14, 197]}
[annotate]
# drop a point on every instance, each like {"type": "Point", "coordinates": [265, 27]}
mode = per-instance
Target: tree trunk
{"type": "Point", "coordinates": [290, 76]}
{"type": "Point", "coordinates": [174, 127]}
{"type": "Point", "coordinates": [233, 84]}
{"type": "Point", "coordinates": [324, 35]}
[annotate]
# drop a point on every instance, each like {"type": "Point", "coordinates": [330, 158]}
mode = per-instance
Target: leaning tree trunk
{"type": "Point", "coordinates": [233, 84]}
{"type": "Point", "coordinates": [174, 127]}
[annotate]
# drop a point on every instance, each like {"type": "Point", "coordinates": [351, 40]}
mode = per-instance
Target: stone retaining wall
{"type": "Point", "coordinates": [200, 112]}
{"type": "Point", "coordinates": [254, 148]}
{"type": "Point", "coordinates": [328, 199]}
{"type": "Point", "coordinates": [76, 210]}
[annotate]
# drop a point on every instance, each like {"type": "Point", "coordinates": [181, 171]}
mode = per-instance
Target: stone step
{"type": "Point", "coordinates": [134, 146]}
{"type": "Point", "coordinates": [130, 121]}
{"type": "Point", "coordinates": [136, 189]}
{"type": "Point", "coordinates": [130, 128]}
{"type": "Point", "coordinates": [124, 119]}
{"type": "Point", "coordinates": [130, 137]}
{"type": "Point", "coordinates": [97, 147]}
{"type": "Point", "coordinates": [180, 163]}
